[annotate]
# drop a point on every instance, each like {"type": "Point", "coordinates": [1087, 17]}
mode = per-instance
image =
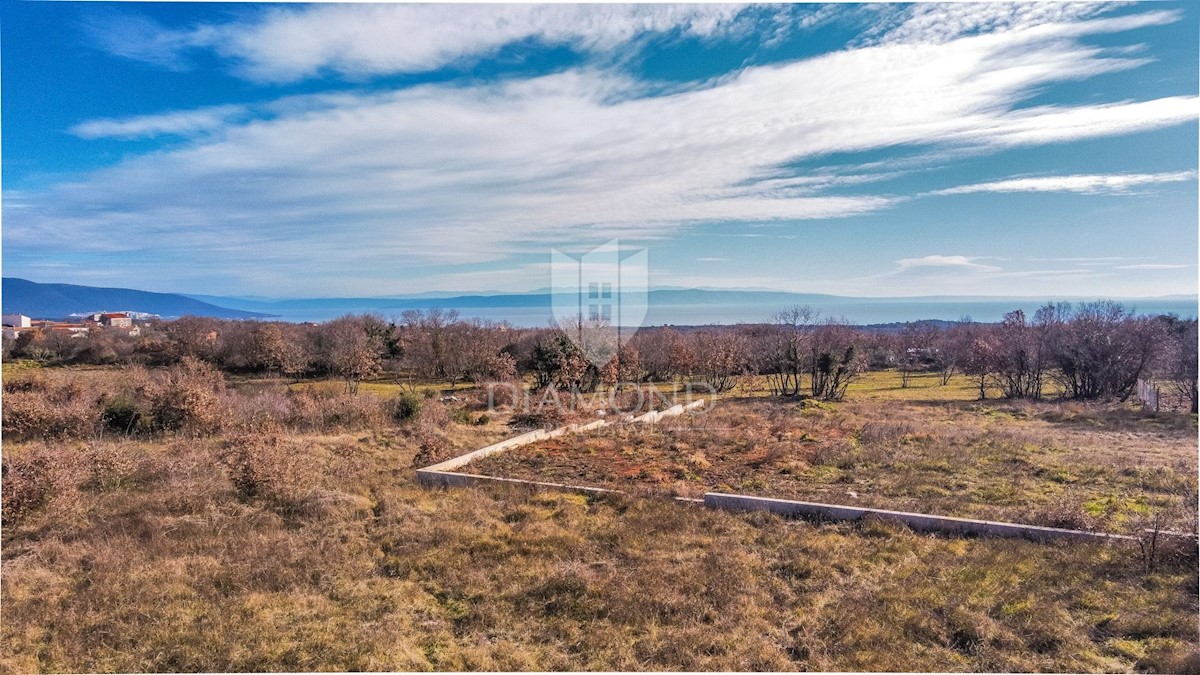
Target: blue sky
{"type": "Point", "coordinates": [359, 150]}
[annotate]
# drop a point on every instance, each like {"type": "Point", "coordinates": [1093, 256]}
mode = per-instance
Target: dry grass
{"type": "Point", "coordinates": [299, 551]}
{"type": "Point", "coordinates": [1096, 466]}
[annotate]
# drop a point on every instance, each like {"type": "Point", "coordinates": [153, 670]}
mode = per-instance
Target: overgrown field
{"type": "Point", "coordinates": [305, 544]}
{"type": "Point", "coordinates": [1088, 466]}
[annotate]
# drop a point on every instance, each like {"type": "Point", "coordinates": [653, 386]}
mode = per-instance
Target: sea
{"type": "Point", "coordinates": [858, 312]}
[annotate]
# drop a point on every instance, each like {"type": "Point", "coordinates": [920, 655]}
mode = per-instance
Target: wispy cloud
{"type": "Point", "coordinates": [937, 23]}
{"type": "Point", "coordinates": [284, 44]}
{"type": "Point", "coordinates": [177, 123]}
{"type": "Point", "coordinates": [1084, 184]}
{"type": "Point", "coordinates": [712, 259]}
{"type": "Point", "coordinates": [464, 173]}
{"type": "Point", "coordinates": [960, 262]}
{"type": "Point", "coordinates": [1152, 266]}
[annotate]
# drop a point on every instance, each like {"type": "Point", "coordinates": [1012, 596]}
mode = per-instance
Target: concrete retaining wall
{"type": "Point", "coordinates": [455, 479]}
{"type": "Point", "coordinates": [917, 521]}
{"type": "Point", "coordinates": [442, 473]}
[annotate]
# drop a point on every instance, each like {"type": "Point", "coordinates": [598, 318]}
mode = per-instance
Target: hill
{"type": "Point", "coordinates": [49, 301]}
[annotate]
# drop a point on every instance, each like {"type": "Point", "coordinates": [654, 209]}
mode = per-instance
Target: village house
{"type": "Point", "coordinates": [73, 329]}
{"type": "Point", "coordinates": [111, 319]}
{"type": "Point", "coordinates": [11, 332]}
{"type": "Point", "coordinates": [118, 320]}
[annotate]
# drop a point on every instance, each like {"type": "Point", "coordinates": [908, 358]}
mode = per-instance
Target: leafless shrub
{"type": "Point", "coordinates": [317, 410]}
{"type": "Point", "coordinates": [265, 412]}
{"type": "Point", "coordinates": [434, 414]}
{"type": "Point", "coordinates": [188, 398]}
{"type": "Point", "coordinates": [432, 447]}
{"type": "Point", "coordinates": [1163, 541]}
{"type": "Point", "coordinates": [40, 477]}
{"type": "Point", "coordinates": [27, 486]}
{"type": "Point", "coordinates": [26, 382]}
{"type": "Point", "coordinates": [49, 414]}
{"type": "Point", "coordinates": [547, 418]}
{"type": "Point", "coordinates": [283, 474]}
{"type": "Point", "coordinates": [107, 466]}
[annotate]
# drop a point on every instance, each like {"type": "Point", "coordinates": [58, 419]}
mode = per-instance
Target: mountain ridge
{"type": "Point", "coordinates": [54, 301]}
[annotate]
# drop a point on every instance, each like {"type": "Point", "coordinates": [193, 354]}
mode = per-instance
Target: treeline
{"type": "Point", "coordinates": [1088, 351]}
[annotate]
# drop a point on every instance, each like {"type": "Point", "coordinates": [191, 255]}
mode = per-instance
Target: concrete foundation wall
{"type": "Point", "coordinates": [444, 475]}
{"type": "Point", "coordinates": [453, 479]}
{"type": "Point", "coordinates": [430, 475]}
{"type": "Point", "coordinates": [917, 521]}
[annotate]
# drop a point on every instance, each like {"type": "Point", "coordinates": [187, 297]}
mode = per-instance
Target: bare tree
{"type": "Point", "coordinates": [787, 352]}
{"type": "Point", "coordinates": [350, 351]}
{"type": "Point", "coordinates": [836, 360]}
{"type": "Point", "coordinates": [951, 347]}
{"type": "Point", "coordinates": [1019, 359]}
{"type": "Point", "coordinates": [721, 358]}
{"type": "Point", "coordinates": [1099, 349]}
{"type": "Point", "coordinates": [980, 361]}
{"type": "Point", "coordinates": [1178, 359]}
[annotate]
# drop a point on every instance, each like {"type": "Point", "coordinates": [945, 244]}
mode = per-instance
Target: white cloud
{"type": "Point", "coordinates": [936, 23]}
{"type": "Point", "coordinates": [362, 183]}
{"type": "Point", "coordinates": [181, 123]}
{"type": "Point", "coordinates": [960, 262]}
{"type": "Point", "coordinates": [283, 44]}
{"type": "Point", "coordinates": [1152, 266]}
{"type": "Point", "coordinates": [1085, 184]}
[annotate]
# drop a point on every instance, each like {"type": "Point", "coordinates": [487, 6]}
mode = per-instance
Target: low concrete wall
{"type": "Point", "coordinates": [442, 473]}
{"type": "Point", "coordinates": [455, 479]}
{"type": "Point", "coordinates": [917, 521]}
{"type": "Point", "coordinates": [514, 442]}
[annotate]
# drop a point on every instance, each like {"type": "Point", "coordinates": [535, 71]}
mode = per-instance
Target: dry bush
{"type": "Point", "coordinates": [38, 477]}
{"type": "Point", "coordinates": [318, 410]}
{"type": "Point", "coordinates": [283, 474]}
{"type": "Point", "coordinates": [346, 412]}
{"type": "Point", "coordinates": [432, 447]}
{"type": "Point", "coordinates": [263, 412]}
{"type": "Point", "coordinates": [547, 418]}
{"type": "Point", "coordinates": [25, 382]}
{"type": "Point", "coordinates": [110, 466]}
{"type": "Point", "coordinates": [27, 486]}
{"type": "Point", "coordinates": [633, 401]}
{"type": "Point", "coordinates": [499, 394]}
{"type": "Point", "coordinates": [188, 399]}
{"type": "Point", "coordinates": [49, 414]}
{"type": "Point", "coordinates": [434, 414]}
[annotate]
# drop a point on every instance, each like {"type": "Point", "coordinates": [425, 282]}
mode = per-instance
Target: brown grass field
{"type": "Point", "coordinates": [303, 548]}
{"type": "Point", "coordinates": [1096, 466]}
